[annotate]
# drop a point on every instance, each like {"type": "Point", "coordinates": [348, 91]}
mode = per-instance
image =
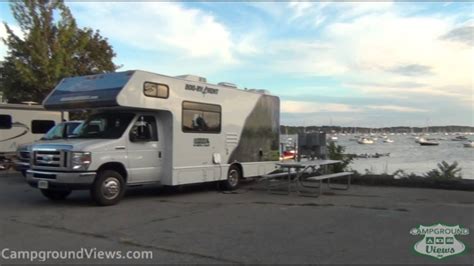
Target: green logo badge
{"type": "Point", "coordinates": [439, 240]}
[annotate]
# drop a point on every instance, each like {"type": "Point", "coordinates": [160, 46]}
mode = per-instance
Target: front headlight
{"type": "Point", "coordinates": [80, 160]}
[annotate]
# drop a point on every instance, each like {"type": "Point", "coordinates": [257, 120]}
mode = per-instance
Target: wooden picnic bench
{"type": "Point", "coordinates": [298, 173]}
{"type": "Point", "coordinates": [319, 178]}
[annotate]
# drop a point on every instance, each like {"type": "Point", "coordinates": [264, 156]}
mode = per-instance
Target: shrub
{"type": "Point", "coordinates": [445, 171]}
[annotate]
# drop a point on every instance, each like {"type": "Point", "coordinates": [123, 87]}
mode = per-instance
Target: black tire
{"type": "Point", "coordinates": [23, 173]}
{"type": "Point", "coordinates": [108, 188]}
{"type": "Point", "coordinates": [233, 178]}
{"type": "Point", "coordinates": [55, 195]}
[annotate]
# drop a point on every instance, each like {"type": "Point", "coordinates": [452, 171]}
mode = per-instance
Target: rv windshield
{"type": "Point", "coordinates": [105, 126]}
{"type": "Point", "coordinates": [63, 130]}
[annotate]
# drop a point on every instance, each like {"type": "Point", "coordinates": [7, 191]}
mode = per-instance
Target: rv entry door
{"type": "Point", "coordinates": [145, 153]}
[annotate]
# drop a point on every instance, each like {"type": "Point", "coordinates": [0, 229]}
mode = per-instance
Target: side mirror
{"type": "Point", "coordinates": [140, 133]}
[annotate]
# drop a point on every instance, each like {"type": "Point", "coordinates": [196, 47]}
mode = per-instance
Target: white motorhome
{"type": "Point", "coordinates": [21, 123]}
{"type": "Point", "coordinates": [151, 128]}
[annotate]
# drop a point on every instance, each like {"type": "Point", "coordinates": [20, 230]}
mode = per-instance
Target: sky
{"type": "Point", "coordinates": [331, 63]}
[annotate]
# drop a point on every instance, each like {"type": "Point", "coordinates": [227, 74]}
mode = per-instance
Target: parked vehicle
{"type": "Point", "coordinates": [59, 131]}
{"type": "Point", "coordinates": [20, 124]}
{"type": "Point", "coordinates": [148, 128]}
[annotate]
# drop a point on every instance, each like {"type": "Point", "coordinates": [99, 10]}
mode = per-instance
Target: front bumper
{"type": "Point", "coordinates": [61, 180]}
{"type": "Point", "coordinates": [21, 166]}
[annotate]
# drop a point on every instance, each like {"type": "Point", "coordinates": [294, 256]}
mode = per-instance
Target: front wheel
{"type": "Point", "coordinates": [55, 195]}
{"type": "Point", "coordinates": [233, 178]}
{"type": "Point", "coordinates": [108, 188]}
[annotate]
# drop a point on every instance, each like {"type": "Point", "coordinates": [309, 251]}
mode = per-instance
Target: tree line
{"type": "Point", "coordinates": [49, 47]}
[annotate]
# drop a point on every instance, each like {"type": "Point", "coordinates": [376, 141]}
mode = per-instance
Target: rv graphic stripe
{"type": "Point", "coordinates": [259, 139]}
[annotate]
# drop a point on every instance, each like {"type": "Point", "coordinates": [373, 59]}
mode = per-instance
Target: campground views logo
{"type": "Point", "coordinates": [439, 240]}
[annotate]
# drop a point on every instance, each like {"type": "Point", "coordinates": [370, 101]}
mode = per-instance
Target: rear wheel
{"type": "Point", "coordinates": [233, 178]}
{"type": "Point", "coordinates": [55, 195]}
{"type": "Point", "coordinates": [108, 188]}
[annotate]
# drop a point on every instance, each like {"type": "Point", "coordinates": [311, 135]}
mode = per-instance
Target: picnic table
{"type": "Point", "coordinates": [303, 174]}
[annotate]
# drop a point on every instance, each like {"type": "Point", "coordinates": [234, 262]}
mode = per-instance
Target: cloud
{"type": "Point", "coordinates": [315, 107]}
{"type": "Point", "coordinates": [462, 34]}
{"type": "Point", "coordinates": [166, 28]}
{"type": "Point", "coordinates": [411, 70]}
{"type": "Point", "coordinates": [289, 106]}
{"type": "Point", "coordinates": [388, 49]}
{"type": "Point", "coordinates": [396, 108]}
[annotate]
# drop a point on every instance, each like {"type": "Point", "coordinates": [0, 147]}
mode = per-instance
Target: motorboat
{"type": "Point", "coordinates": [460, 138]}
{"type": "Point", "coordinates": [425, 142]}
{"type": "Point", "coordinates": [365, 141]}
{"type": "Point", "coordinates": [387, 140]}
{"type": "Point", "coordinates": [469, 144]}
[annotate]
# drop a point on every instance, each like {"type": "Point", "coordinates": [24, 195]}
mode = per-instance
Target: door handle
{"type": "Point", "coordinates": [159, 154]}
{"type": "Point", "coordinates": [120, 147]}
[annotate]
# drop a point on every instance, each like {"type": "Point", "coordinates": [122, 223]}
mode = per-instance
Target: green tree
{"type": "Point", "coordinates": [50, 48]}
{"type": "Point", "coordinates": [336, 152]}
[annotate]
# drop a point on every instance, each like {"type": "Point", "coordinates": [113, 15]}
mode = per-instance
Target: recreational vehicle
{"type": "Point", "coordinates": [149, 128]}
{"type": "Point", "coordinates": [21, 123]}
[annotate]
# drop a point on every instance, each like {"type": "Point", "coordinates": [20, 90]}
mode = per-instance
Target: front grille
{"type": "Point", "coordinates": [25, 155]}
{"type": "Point", "coordinates": [49, 158]}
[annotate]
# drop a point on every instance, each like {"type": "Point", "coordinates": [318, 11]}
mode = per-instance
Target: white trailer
{"type": "Point", "coordinates": [21, 123]}
{"type": "Point", "coordinates": [151, 128]}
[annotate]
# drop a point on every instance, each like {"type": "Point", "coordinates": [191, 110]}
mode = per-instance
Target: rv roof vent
{"type": "Point", "coordinates": [227, 84]}
{"type": "Point", "coordinates": [259, 91]}
{"type": "Point", "coordinates": [192, 78]}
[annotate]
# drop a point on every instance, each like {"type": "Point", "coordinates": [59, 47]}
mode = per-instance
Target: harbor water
{"type": "Point", "coordinates": [408, 155]}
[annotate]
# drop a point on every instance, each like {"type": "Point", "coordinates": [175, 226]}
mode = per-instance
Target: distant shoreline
{"type": "Point", "coordinates": [363, 130]}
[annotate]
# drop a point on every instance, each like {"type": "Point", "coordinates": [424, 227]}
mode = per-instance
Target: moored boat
{"type": "Point", "coordinates": [469, 144]}
{"type": "Point", "coordinates": [365, 141]}
{"type": "Point", "coordinates": [425, 142]}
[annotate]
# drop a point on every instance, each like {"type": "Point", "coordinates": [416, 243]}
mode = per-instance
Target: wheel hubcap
{"type": "Point", "coordinates": [111, 188]}
{"type": "Point", "coordinates": [233, 178]}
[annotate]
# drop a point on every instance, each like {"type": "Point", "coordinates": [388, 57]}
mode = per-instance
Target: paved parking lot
{"type": "Point", "coordinates": [202, 225]}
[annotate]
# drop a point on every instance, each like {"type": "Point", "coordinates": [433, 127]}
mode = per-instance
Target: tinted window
{"type": "Point", "coordinates": [157, 90]}
{"type": "Point", "coordinates": [201, 117]}
{"type": "Point", "coordinates": [5, 122]}
{"type": "Point", "coordinates": [41, 126]}
{"type": "Point", "coordinates": [70, 128]}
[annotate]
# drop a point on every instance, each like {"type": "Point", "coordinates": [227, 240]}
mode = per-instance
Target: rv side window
{"type": "Point", "coordinates": [5, 122]}
{"type": "Point", "coordinates": [201, 118]}
{"type": "Point", "coordinates": [41, 126]}
{"type": "Point", "coordinates": [156, 90]}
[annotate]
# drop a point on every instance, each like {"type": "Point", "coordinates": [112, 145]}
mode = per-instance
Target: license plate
{"type": "Point", "coordinates": [43, 184]}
